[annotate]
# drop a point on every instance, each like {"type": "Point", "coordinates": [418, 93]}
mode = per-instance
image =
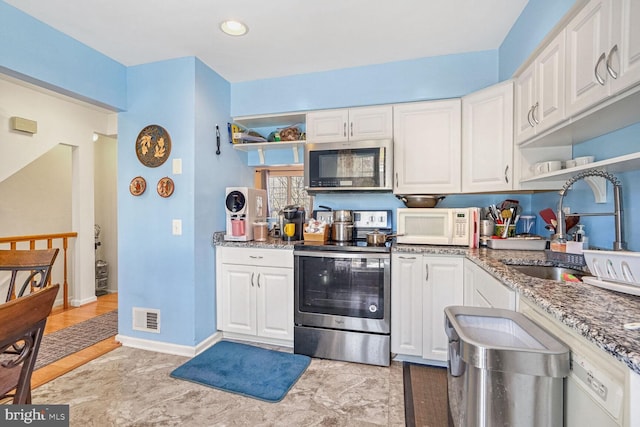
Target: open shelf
{"type": "Point", "coordinates": [261, 146]}
{"type": "Point", "coordinates": [625, 163]}
{"type": "Point", "coordinates": [271, 120]}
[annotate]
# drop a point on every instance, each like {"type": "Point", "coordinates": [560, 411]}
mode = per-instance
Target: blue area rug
{"type": "Point", "coordinates": [244, 369]}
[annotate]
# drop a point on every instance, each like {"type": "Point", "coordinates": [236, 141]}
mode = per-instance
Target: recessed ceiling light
{"type": "Point", "coordinates": [234, 28]}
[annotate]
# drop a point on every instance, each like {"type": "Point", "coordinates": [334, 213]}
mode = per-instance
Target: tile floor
{"type": "Point", "coordinates": [132, 387]}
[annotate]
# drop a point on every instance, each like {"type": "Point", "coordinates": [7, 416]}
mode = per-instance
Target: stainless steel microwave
{"type": "Point", "coordinates": [353, 165]}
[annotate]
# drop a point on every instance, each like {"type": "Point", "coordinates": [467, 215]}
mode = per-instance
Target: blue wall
{"type": "Point", "coordinates": [446, 76]}
{"type": "Point", "coordinates": [580, 198]}
{"type": "Point", "coordinates": [37, 53]}
{"type": "Point", "coordinates": [175, 274]}
{"type": "Point", "coordinates": [536, 20]}
{"type": "Point", "coordinates": [155, 268]}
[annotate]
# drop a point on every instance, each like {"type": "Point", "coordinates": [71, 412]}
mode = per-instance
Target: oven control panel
{"type": "Point", "coordinates": [372, 219]}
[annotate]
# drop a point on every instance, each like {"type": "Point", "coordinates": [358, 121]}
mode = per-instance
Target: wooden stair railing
{"type": "Point", "coordinates": [14, 240]}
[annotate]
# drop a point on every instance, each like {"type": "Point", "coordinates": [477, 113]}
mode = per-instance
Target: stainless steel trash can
{"type": "Point", "coordinates": [504, 370]}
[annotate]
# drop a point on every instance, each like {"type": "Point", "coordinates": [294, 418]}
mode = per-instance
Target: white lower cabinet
{"type": "Point", "coordinates": [481, 289]}
{"type": "Point", "coordinates": [255, 292]}
{"type": "Point", "coordinates": [421, 287]}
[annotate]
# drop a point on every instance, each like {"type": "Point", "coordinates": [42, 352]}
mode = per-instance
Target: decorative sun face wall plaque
{"type": "Point", "coordinates": [153, 146]}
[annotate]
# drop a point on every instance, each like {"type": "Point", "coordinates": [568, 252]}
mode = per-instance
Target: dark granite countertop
{"type": "Point", "coordinates": [270, 243]}
{"type": "Point", "coordinates": [596, 314]}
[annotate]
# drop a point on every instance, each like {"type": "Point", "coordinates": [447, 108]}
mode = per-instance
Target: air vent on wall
{"type": "Point", "coordinates": [146, 319]}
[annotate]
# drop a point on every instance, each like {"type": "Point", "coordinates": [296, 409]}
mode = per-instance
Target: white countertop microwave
{"type": "Point", "coordinates": [438, 226]}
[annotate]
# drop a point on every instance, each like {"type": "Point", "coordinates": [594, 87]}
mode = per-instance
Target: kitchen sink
{"type": "Point", "coordinates": [548, 272]}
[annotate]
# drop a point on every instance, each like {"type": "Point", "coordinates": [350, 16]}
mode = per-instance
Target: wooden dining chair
{"type": "Point", "coordinates": [34, 266]}
{"type": "Point", "coordinates": [22, 323]}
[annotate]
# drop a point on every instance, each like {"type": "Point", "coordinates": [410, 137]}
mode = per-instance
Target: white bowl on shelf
{"type": "Point", "coordinates": [584, 160]}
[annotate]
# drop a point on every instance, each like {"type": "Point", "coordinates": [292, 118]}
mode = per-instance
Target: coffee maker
{"type": "Point", "coordinates": [244, 206]}
{"type": "Point", "coordinates": [292, 223]}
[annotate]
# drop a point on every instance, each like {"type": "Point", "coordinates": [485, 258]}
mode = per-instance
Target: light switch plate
{"type": "Point", "coordinates": [177, 166]}
{"type": "Point", "coordinates": [176, 226]}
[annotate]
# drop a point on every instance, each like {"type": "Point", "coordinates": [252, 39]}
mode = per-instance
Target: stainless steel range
{"type": "Point", "coordinates": [342, 296]}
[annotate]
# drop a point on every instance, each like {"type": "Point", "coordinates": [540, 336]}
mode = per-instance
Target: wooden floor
{"type": "Point", "coordinates": [60, 319]}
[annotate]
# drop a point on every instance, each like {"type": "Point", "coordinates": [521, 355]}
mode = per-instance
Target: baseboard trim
{"type": "Point", "coordinates": [168, 348]}
{"type": "Point", "coordinates": [78, 303]}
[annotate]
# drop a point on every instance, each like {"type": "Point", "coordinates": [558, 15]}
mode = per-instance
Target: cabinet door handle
{"type": "Point", "coordinates": [258, 281]}
{"type": "Point", "coordinates": [506, 176]}
{"type": "Point", "coordinates": [406, 257]}
{"type": "Point", "coordinates": [344, 129]}
{"type": "Point", "coordinates": [396, 179]}
{"type": "Point", "coordinates": [533, 113]}
{"type": "Point", "coordinates": [255, 256]}
{"type": "Point", "coordinates": [595, 70]}
{"type": "Point", "coordinates": [529, 117]}
{"type": "Point", "coordinates": [252, 284]}
{"type": "Point", "coordinates": [610, 70]}
{"type": "Point", "coordinates": [351, 126]}
{"type": "Point", "coordinates": [426, 272]}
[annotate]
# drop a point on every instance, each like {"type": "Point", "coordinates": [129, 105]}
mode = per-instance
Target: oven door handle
{"type": "Point", "coordinates": [346, 254]}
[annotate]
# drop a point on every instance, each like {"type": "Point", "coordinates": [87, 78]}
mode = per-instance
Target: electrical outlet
{"type": "Point", "coordinates": [177, 227]}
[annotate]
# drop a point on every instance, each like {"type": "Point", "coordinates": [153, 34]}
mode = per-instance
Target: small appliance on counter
{"type": "Point", "coordinates": [292, 223]}
{"type": "Point", "coordinates": [439, 226]}
{"type": "Point", "coordinates": [244, 207]}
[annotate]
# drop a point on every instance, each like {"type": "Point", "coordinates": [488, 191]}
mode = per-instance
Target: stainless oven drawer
{"type": "Point", "coordinates": [349, 346]}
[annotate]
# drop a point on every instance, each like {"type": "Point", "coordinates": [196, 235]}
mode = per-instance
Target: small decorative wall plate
{"type": "Point", "coordinates": [153, 146]}
{"type": "Point", "coordinates": [165, 187]}
{"type": "Point", "coordinates": [137, 186]}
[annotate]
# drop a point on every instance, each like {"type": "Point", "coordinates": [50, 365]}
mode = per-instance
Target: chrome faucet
{"type": "Point", "coordinates": [619, 244]}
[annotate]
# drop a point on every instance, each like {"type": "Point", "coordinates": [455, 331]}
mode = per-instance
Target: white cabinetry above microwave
{"type": "Point", "coordinates": [540, 91]}
{"type": "Point", "coordinates": [427, 147]}
{"type": "Point", "coordinates": [353, 124]}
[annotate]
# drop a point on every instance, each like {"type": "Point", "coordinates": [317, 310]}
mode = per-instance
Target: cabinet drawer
{"type": "Point", "coordinates": [257, 256]}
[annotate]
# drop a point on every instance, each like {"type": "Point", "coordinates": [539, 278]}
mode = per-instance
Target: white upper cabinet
{"type": "Point", "coordinates": [588, 43]}
{"type": "Point", "coordinates": [427, 147]}
{"type": "Point", "coordinates": [625, 55]}
{"type": "Point", "coordinates": [603, 46]}
{"type": "Point", "coordinates": [540, 92]}
{"type": "Point", "coordinates": [353, 124]}
{"type": "Point", "coordinates": [487, 139]}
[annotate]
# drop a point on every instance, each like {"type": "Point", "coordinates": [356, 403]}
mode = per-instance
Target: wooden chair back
{"type": "Point", "coordinates": [32, 265]}
{"type": "Point", "coordinates": [22, 323]}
